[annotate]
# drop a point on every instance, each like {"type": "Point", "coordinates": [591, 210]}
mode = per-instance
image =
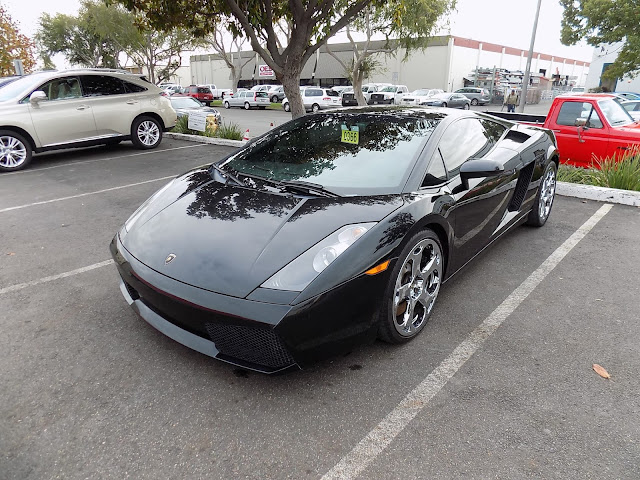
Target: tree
{"type": "Point", "coordinates": [218, 39]}
{"type": "Point", "coordinates": [13, 45]}
{"type": "Point", "coordinates": [312, 23]}
{"type": "Point", "coordinates": [602, 22]}
{"type": "Point", "coordinates": [78, 38]}
{"type": "Point", "coordinates": [406, 27]}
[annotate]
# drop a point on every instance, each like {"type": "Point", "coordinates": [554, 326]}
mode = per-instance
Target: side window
{"type": "Point", "coordinates": [133, 88]}
{"type": "Point", "coordinates": [436, 173]}
{"type": "Point", "coordinates": [101, 85]}
{"type": "Point", "coordinates": [493, 130]}
{"type": "Point", "coordinates": [461, 141]}
{"type": "Point", "coordinates": [61, 88]}
{"type": "Point", "coordinates": [571, 111]}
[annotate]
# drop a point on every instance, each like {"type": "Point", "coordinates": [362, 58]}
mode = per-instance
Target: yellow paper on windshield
{"type": "Point", "coordinates": [350, 136]}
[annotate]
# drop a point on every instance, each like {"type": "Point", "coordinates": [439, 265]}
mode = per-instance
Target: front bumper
{"type": "Point", "coordinates": [377, 101]}
{"type": "Point", "coordinates": [257, 335]}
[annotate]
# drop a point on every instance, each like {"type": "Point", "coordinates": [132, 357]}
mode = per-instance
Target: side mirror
{"type": "Point", "coordinates": [37, 97]}
{"type": "Point", "coordinates": [479, 168]}
{"type": "Point", "coordinates": [580, 122]}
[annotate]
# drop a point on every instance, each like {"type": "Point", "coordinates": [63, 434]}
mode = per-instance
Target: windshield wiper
{"type": "Point", "coordinates": [228, 175]}
{"type": "Point", "coordinates": [307, 187]}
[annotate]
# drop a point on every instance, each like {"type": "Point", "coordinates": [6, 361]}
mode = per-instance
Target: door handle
{"type": "Point", "coordinates": [82, 107]}
{"type": "Point", "coordinates": [131, 102]}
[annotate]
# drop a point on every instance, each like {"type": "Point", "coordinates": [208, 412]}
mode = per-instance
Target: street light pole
{"type": "Point", "coordinates": [527, 72]}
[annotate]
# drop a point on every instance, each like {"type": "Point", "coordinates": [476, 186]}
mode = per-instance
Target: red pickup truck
{"type": "Point", "coordinates": [587, 127]}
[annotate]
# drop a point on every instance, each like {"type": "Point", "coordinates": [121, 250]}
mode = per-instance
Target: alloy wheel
{"type": "Point", "coordinates": [148, 133]}
{"type": "Point", "coordinates": [13, 152]}
{"type": "Point", "coordinates": [417, 287]}
{"type": "Point", "coordinates": [547, 193]}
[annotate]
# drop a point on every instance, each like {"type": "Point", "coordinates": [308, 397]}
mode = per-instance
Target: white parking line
{"type": "Point", "coordinates": [44, 202]}
{"type": "Point", "coordinates": [352, 464]}
{"type": "Point", "coordinates": [20, 286]}
{"type": "Point", "coordinates": [81, 162]}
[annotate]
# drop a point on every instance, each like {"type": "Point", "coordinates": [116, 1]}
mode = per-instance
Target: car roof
{"type": "Point", "coordinates": [588, 96]}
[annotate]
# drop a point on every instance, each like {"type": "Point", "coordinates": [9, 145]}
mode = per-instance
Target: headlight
{"type": "Point", "coordinates": [128, 225]}
{"type": "Point", "coordinates": [303, 270]}
{"type": "Point", "coordinates": [387, 96]}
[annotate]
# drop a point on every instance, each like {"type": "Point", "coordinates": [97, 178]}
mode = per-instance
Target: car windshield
{"type": "Point", "coordinates": [389, 89]}
{"type": "Point", "coordinates": [631, 106]}
{"type": "Point", "coordinates": [346, 153]}
{"type": "Point", "coordinates": [185, 102]}
{"type": "Point", "coordinates": [613, 112]}
{"type": "Point", "coordinates": [13, 89]}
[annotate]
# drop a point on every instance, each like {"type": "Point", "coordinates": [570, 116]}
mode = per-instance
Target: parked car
{"type": "Point", "coordinates": [632, 107]}
{"type": "Point", "coordinates": [185, 105]}
{"type": "Point", "coordinates": [276, 93]}
{"type": "Point", "coordinates": [77, 108]}
{"type": "Point", "coordinates": [248, 99]}
{"type": "Point", "coordinates": [391, 95]}
{"type": "Point", "coordinates": [419, 97]}
{"type": "Point", "coordinates": [450, 99]}
{"type": "Point", "coordinates": [263, 88]}
{"type": "Point", "coordinates": [173, 89]}
{"type": "Point", "coordinates": [315, 99]}
{"type": "Point", "coordinates": [201, 93]}
{"type": "Point", "coordinates": [349, 98]}
{"type": "Point", "coordinates": [477, 96]}
{"type": "Point", "coordinates": [330, 230]}
{"type": "Point", "coordinates": [627, 95]}
{"type": "Point", "coordinates": [587, 126]}
{"type": "Point", "coordinates": [219, 92]}
{"type": "Point", "coordinates": [340, 88]}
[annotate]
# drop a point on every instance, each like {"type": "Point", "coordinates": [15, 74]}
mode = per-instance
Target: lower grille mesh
{"type": "Point", "coordinates": [255, 345]}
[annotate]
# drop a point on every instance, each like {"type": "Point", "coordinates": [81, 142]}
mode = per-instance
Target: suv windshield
{"type": "Point", "coordinates": [346, 153]}
{"type": "Point", "coordinates": [15, 88]}
{"type": "Point", "coordinates": [613, 112]}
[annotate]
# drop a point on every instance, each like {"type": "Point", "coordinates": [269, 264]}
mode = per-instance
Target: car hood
{"type": "Point", "coordinates": [230, 239]}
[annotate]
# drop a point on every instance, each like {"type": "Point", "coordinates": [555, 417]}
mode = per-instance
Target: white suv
{"type": "Point", "coordinates": [316, 98]}
{"type": "Point", "coordinates": [77, 108]}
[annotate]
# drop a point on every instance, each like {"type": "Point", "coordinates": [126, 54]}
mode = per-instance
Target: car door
{"type": "Point", "coordinates": [114, 104]}
{"type": "Point", "coordinates": [66, 116]}
{"type": "Point", "coordinates": [480, 207]}
{"type": "Point", "coordinates": [237, 99]}
{"type": "Point", "coordinates": [580, 146]}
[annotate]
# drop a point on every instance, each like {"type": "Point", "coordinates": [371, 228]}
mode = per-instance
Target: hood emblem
{"type": "Point", "coordinates": [169, 258]}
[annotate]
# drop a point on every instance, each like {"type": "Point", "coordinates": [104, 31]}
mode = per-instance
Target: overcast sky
{"type": "Point", "coordinates": [506, 22]}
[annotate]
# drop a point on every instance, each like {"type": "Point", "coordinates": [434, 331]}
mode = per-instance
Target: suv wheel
{"type": "Point", "coordinates": [15, 151]}
{"type": "Point", "coordinates": [146, 132]}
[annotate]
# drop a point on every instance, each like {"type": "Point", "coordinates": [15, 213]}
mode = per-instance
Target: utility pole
{"type": "Point", "coordinates": [527, 72]}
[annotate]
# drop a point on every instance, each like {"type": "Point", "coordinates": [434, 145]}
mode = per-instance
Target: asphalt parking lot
{"type": "Point", "coordinates": [498, 385]}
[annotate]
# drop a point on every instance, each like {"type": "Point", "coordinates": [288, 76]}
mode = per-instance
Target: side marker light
{"type": "Point", "coordinates": [378, 268]}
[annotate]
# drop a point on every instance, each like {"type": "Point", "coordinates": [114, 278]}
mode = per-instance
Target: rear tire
{"type": "Point", "coordinates": [274, 99]}
{"type": "Point", "coordinates": [226, 105]}
{"type": "Point", "coordinates": [474, 102]}
{"type": "Point", "coordinates": [247, 106]}
{"type": "Point", "coordinates": [15, 151]}
{"type": "Point", "coordinates": [287, 107]}
{"type": "Point", "coordinates": [315, 108]}
{"type": "Point", "coordinates": [544, 200]}
{"type": "Point", "coordinates": [413, 288]}
{"type": "Point", "coordinates": [146, 133]}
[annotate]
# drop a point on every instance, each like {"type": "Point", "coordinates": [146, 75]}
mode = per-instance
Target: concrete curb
{"type": "Point", "coordinates": [209, 140]}
{"type": "Point", "coordinates": [589, 192]}
{"type": "Point", "coordinates": [600, 194]}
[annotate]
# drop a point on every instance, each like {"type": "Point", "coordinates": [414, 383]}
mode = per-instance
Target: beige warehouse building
{"type": "Point", "coordinates": [448, 63]}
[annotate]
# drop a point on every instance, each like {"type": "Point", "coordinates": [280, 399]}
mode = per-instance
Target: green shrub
{"type": "Point", "coordinates": [229, 131]}
{"type": "Point", "coordinates": [623, 173]}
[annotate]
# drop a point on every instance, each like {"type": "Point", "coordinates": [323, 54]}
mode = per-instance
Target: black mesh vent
{"type": "Point", "coordinates": [524, 179]}
{"type": "Point", "coordinates": [255, 345]}
{"type": "Point", "coordinates": [132, 291]}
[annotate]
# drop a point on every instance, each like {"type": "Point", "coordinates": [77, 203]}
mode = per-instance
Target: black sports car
{"type": "Point", "coordinates": [331, 229]}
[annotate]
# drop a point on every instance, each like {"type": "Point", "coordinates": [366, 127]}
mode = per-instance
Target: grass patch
{"type": "Point", "coordinates": [229, 131]}
{"type": "Point", "coordinates": [623, 173]}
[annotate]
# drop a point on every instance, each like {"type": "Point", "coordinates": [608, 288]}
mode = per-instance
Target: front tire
{"type": "Point", "coordinates": [287, 107]}
{"type": "Point", "coordinates": [247, 106]}
{"type": "Point", "coordinates": [15, 151]}
{"type": "Point", "coordinates": [466, 106]}
{"type": "Point", "coordinates": [413, 288]}
{"type": "Point", "coordinates": [474, 102]}
{"type": "Point", "coordinates": [444, 104]}
{"type": "Point", "coordinates": [146, 133]}
{"type": "Point", "coordinates": [544, 200]}
{"type": "Point", "coordinates": [274, 99]}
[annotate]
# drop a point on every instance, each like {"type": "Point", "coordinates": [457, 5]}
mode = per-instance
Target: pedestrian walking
{"type": "Point", "coordinates": [512, 101]}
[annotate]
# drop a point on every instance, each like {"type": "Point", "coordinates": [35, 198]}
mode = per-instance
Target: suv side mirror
{"type": "Point", "coordinates": [37, 97]}
{"type": "Point", "coordinates": [479, 168]}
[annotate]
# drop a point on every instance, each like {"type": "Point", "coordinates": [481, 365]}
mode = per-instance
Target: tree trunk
{"type": "Point", "coordinates": [290, 80]}
{"type": "Point", "coordinates": [235, 78]}
{"type": "Point", "coordinates": [358, 77]}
